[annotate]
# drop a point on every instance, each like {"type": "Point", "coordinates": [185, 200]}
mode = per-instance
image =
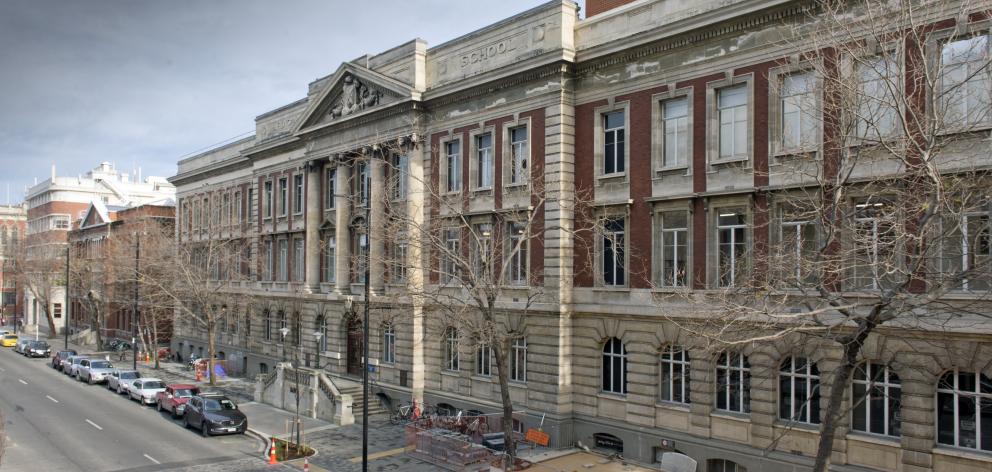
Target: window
{"type": "Point", "coordinates": [723, 465]}
{"type": "Point", "coordinates": [674, 375]}
{"type": "Point", "coordinates": [674, 248]}
{"type": "Point", "coordinates": [454, 166]}
{"type": "Point", "coordinates": [227, 208]}
{"type": "Point", "coordinates": [283, 196]}
{"type": "Point", "coordinates": [282, 326]}
{"type": "Point", "coordinates": [283, 260]}
{"type": "Point", "coordinates": [614, 367]}
{"type": "Point", "coordinates": [519, 153]}
{"type": "Point", "coordinates": [268, 199]}
{"type": "Point", "coordinates": [298, 258]}
{"type": "Point", "coordinates": [269, 256]}
{"type": "Point", "coordinates": [297, 329]}
{"type": "Point", "coordinates": [298, 193]}
{"type": "Point", "coordinates": [964, 410]}
{"type": "Point", "coordinates": [675, 123]}
{"type": "Point", "coordinates": [482, 250]}
{"type": "Point", "coordinates": [363, 183]}
{"type": "Point", "coordinates": [330, 250]}
{"type": "Point", "coordinates": [401, 167]}
{"type": "Point", "coordinates": [614, 271]}
{"type": "Point", "coordinates": [322, 329]}
{"type": "Point", "coordinates": [732, 113]}
{"type": "Point", "coordinates": [518, 360]}
{"type": "Point", "coordinates": [877, 397]}
{"type": "Point", "coordinates": [613, 140]}
{"type": "Point", "coordinates": [732, 245]}
{"type": "Point", "coordinates": [484, 160]}
{"type": "Point", "coordinates": [398, 272]}
{"type": "Point", "coordinates": [452, 252]}
{"type": "Point", "coordinates": [798, 107]}
{"type": "Point", "coordinates": [388, 344]}
{"type": "Point", "coordinates": [877, 110]}
{"type": "Point", "coordinates": [331, 178]}
{"type": "Point", "coordinates": [799, 391]}
{"type": "Point", "coordinates": [733, 383]}
{"type": "Point", "coordinates": [968, 251]}
{"type": "Point", "coordinates": [484, 359]}
{"type": "Point", "coordinates": [964, 85]}
{"type": "Point", "coordinates": [874, 241]}
{"type": "Point", "coordinates": [517, 250]}
{"type": "Point", "coordinates": [450, 350]}
{"type": "Point", "coordinates": [56, 310]}
{"type": "Point", "coordinates": [799, 244]}
{"type": "Point", "coordinates": [251, 200]}
{"type": "Point", "coordinates": [239, 203]}
{"type": "Point", "coordinates": [248, 324]}
{"type": "Point", "coordinates": [361, 257]}
{"type": "Point", "coordinates": [267, 318]}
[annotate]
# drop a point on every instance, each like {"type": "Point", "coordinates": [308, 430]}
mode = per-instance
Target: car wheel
{"type": "Point", "coordinates": [89, 379]}
{"type": "Point", "coordinates": [173, 413]}
{"type": "Point", "coordinates": [158, 407]}
{"type": "Point", "coordinates": [185, 422]}
{"type": "Point", "coordinates": [118, 389]}
{"type": "Point", "coordinates": [204, 430]}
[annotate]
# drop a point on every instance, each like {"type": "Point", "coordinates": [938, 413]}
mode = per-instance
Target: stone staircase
{"type": "Point", "coordinates": [355, 390]}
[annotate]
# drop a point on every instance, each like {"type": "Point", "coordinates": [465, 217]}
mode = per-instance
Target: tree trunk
{"type": "Point", "coordinates": [155, 340]}
{"type": "Point", "coordinates": [51, 321]}
{"type": "Point", "coordinates": [504, 392]}
{"type": "Point", "coordinates": [211, 345]}
{"type": "Point", "coordinates": [99, 327]}
{"type": "Point", "coordinates": [838, 385]}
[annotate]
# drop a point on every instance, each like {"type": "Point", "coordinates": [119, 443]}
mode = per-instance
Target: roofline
{"type": "Point", "coordinates": [504, 22]}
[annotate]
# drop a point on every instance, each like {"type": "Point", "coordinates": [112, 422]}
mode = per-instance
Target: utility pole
{"type": "Point", "coordinates": [365, 323]}
{"type": "Point", "coordinates": [68, 312]}
{"type": "Point", "coordinates": [134, 310]}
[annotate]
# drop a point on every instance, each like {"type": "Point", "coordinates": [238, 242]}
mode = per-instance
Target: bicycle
{"type": "Point", "coordinates": [402, 414]}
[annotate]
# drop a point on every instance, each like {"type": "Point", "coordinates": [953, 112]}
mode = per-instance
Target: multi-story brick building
{"type": "Point", "coordinates": [591, 105]}
{"type": "Point", "coordinates": [53, 205]}
{"type": "Point", "coordinates": [12, 223]}
{"type": "Point", "coordinates": [103, 251]}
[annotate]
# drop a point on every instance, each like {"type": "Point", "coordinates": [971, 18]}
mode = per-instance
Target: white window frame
{"type": "Point", "coordinates": [957, 394]}
{"type": "Point", "coordinates": [484, 360]}
{"type": "Point", "coordinates": [452, 165]}
{"type": "Point", "coordinates": [682, 130]}
{"type": "Point", "coordinates": [888, 382]}
{"type": "Point", "coordinates": [484, 162]}
{"type": "Point", "coordinates": [283, 260]}
{"type": "Point", "coordinates": [619, 134]}
{"type": "Point", "coordinates": [298, 194]}
{"type": "Point", "coordinates": [614, 352]}
{"type": "Point", "coordinates": [269, 197]}
{"type": "Point", "coordinates": [330, 259]}
{"type": "Point", "coordinates": [732, 120]}
{"type": "Point", "coordinates": [331, 176]}
{"type": "Point", "coordinates": [283, 196]}
{"type": "Point", "coordinates": [299, 258]}
{"type": "Point", "coordinates": [518, 261]}
{"type": "Point", "coordinates": [732, 228]}
{"type": "Point", "coordinates": [779, 99]}
{"type": "Point", "coordinates": [676, 232]}
{"type": "Point", "coordinates": [401, 176]}
{"type": "Point", "coordinates": [388, 344]}
{"type": "Point", "coordinates": [611, 238]}
{"type": "Point", "coordinates": [518, 359]}
{"type": "Point", "coordinates": [482, 249]}
{"type": "Point", "coordinates": [450, 350]}
{"type": "Point", "coordinates": [809, 379]}
{"type": "Point", "coordinates": [863, 133]}
{"type": "Point", "coordinates": [733, 365]}
{"type": "Point", "coordinates": [519, 155]}
{"type": "Point", "coordinates": [967, 88]}
{"type": "Point", "coordinates": [449, 260]}
{"type": "Point", "coordinates": [675, 379]}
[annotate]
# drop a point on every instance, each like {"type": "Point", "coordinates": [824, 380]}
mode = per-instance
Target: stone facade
{"type": "Point", "coordinates": [13, 220]}
{"type": "Point", "coordinates": [297, 185]}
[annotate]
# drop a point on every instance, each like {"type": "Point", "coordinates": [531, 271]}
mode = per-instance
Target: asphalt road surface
{"type": "Point", "coordinates": [52, 422]}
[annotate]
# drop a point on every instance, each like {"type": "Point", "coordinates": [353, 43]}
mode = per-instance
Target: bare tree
{"type": "Point", "coordinates": [881, 208]}
{"type": "Point", "coordinates": [42, 271]}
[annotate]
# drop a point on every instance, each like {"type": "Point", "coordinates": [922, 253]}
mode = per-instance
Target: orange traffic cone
{"type": "Point", "coordinates": [306, 465]}
{"type": "Point", "coordinates": [272, 453]}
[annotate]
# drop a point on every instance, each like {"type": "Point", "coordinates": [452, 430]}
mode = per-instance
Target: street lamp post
{"type": "Point", "coordinates": [365, 326]}
{"type": "Point", "coordinates": [67, 310]}
{"type": "Point", "coordinates": [284, 331]}
{"type": "Point", "coordinates": [317, 335]}
{"type": "Point", "coordinates": [134, 310]}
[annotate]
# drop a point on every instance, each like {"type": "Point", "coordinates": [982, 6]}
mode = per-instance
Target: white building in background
{"type": "Point", "coordinates": [53, 207]}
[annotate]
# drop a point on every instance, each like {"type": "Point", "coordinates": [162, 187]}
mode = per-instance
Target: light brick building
{"type": "Point", "coordinates": [12, 225]}
{"type": "Point", "coordinates": [584, 101]}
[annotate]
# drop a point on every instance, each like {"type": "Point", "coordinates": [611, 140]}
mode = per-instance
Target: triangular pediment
{"type": "Point", "coordinates": [352, 91]}
{"type": "Point", "coordinates": [96, 215]}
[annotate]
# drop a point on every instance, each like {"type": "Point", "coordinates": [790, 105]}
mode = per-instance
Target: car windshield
{"type": "Point", "coordinates": [152, 384]}
{"type": "Point", "coordinates": [101, 365]}
{"type": "Point", "coordinates": [216, 405]}
{"type": "Point", "coordinates": [40, 345]}
{"type": "Point", "coordinates": [78, 360]}
{"type": "Point", "coordinates": [10, 336]}
{"type": "Point", "coordinates": [130, 375]}
{"type": "Point", "coordinates": [186, 392]}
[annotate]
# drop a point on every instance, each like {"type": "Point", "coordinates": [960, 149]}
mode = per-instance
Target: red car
{"type": "Point", "coordinates": [175, 397]}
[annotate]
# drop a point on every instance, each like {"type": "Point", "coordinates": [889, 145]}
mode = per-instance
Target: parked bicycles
{"type": "Point", "coordinates": [402, 414]}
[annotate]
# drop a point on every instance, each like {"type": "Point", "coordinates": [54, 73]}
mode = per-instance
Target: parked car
{"type": "Point", "coordinates": [94, 370]}
{"type": "Point", "coordinates": [6, 329]}
{"type": "Point", "coordinates": [175, 397]}
{"type": "Point", "coordinates": [60, 356]}
{"type": "Point", "coordinates": [120, 379]}
{"type": "Point", "coordinates": [38, 349]}
{"type": "Point", "coordinates": [71, 364]}
{"type": "Point", "coordinates": [214, 414]}
{"type": "Point", "coordinates": [21, 345]}
{"type": "Point", "coordinates": [145, 389]}
{"type": "Point", "coordinates": [8, 340]}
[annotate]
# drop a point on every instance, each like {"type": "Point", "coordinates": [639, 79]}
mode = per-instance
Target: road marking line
{"type": "Point", "coordinates": [52, 399]}
{"type": "Point", "coordinates": [22, 381]}
{"type": "Point", "coordinates": [151, 459]}
{"type": "Point", "coordinates": [94, 425]}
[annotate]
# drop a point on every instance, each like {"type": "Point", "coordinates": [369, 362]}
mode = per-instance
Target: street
{"type": "Point", "coordinates": [53, 422]}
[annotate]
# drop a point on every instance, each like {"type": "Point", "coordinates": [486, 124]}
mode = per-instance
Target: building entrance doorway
{"type": "Point", "coordinates": [354, 334]}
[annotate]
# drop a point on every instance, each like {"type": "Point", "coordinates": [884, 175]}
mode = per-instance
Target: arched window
{"type": "Point", "coordinates": [876, 399]}
{"type": "Point", "coordinates": [263, 368]}
{"type": "Point", "coordinates": [614, 367]}
{"type": "Point", "coordinates": [450, 349]}
{"type": "Point", "coordinates": [799, 391]}
{"type": "Point", "coordinates": [282, 325]}
{"type": "Point", "coordinates": [267, 316]}
{"type": "Point", "coordinates": [723, 465]}
{"type": "Point", "coordinates": [322, 328]}
{"type": "Point", "coordinates": [964, 410]}
{"type": "Point", "coordinates": [388, 343]}
{"type": "Point", "coordinates": [733, 383]}
{"type": "Point", "coordinates": [674, 375]}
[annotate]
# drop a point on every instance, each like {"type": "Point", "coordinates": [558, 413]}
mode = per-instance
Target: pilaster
{"type": "Point", "coordinates": [342, 233]}
{"type": "Point", "coordinates": [377, 245]}
{"type": "Point", "coordinates": [313, 227]}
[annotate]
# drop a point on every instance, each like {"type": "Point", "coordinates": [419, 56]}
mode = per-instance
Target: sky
{"type": "Point", "coordinates": [143, 83]}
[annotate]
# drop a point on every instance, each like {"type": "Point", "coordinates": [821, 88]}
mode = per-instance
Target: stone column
{"type": "Point", "coordinates": [377, 243]}
{"type": "Point", "coordinates": [342, 220]}
{"type": "Point", "coordinates": [314, 171]}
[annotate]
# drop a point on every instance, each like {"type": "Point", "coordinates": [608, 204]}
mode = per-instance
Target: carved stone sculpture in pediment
{"type": "Point", "coordinates": [355, 97]}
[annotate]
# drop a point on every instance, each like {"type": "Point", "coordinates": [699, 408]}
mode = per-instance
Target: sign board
{"type": "Point", "coordinates": [608, 441]}
{"type": "Point", "coordinates": [537, 436]}
{"type": "Point", "coordinates": [667, 445]}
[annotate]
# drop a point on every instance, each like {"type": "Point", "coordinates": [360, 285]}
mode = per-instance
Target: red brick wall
{"type": "Point", "coordinates": [584, 175]}
{"type": "Point", "coordinates": [595, 7]}
{"type": "Point", "coordinates": [537, 178]}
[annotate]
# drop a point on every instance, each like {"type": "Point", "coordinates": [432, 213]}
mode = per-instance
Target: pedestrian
{"type": "Point", "coordinates": [122, 356]}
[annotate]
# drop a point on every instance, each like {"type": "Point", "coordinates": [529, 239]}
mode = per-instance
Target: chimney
{"type": "Point", "coordinates": [53, 172]}
{"type": "Point", "coordinates": [595, 7]}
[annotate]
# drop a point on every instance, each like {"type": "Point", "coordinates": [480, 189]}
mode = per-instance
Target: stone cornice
{"type": "Point", "coordinates": [486, 88]}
